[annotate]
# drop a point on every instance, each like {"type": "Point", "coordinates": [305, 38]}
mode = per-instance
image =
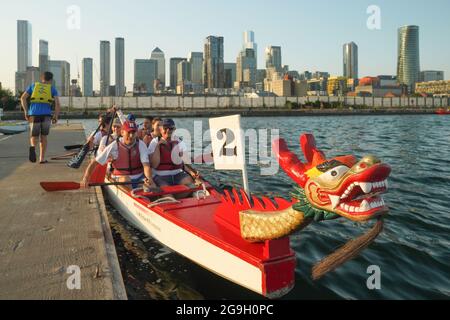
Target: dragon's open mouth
{"type": "Point", "coordinates": [361, 198]}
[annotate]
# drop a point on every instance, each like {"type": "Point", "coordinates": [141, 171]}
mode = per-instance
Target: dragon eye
{"type": "Point", "coordinates": [334, 174]}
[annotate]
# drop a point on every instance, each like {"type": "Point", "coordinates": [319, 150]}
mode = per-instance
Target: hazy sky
{"type": "Point", "coordinates": [311, 33]}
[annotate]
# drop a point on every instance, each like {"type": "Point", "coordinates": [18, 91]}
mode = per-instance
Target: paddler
{"type": "Point", "coordinates": [145, 133]}
{"type": "Point", "coordinates": [107, 140]}
{"type": "Point", "coordinates": [166, 155]}
{"type": "Point", "coordinates": [129, 159]}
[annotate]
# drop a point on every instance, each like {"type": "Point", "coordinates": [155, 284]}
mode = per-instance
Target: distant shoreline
{"type": "Point", "coordinates": [248, 112]}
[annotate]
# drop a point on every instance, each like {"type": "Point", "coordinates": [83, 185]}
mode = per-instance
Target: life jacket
{"type": "Point", "coordinates": [42, 93]}
{"type": "Point", "coordinates": [128, 161]}
{"type": "Point", "coordinates": [166, 162]}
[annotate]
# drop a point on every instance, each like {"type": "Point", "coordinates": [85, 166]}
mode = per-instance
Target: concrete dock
{"type": "Point", "coordinates": [54, 246]}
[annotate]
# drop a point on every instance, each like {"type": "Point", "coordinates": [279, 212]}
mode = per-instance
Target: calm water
{"type": "Point", "coordinates": [412, 252]}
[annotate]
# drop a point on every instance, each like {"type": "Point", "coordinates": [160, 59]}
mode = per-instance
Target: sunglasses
{"type": "Point", "coordinates": [169, 129]}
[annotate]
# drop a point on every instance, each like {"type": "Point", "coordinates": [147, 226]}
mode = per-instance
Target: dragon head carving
{"type": "Point", "coordinates": [338, 187]}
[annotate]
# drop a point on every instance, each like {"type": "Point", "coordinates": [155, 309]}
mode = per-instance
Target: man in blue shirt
{"type": "Point", "coordinates": [43, 94]}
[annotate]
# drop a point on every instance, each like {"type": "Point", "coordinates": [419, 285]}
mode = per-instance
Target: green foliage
{"type": "Point", "coordinates": [7, 100]}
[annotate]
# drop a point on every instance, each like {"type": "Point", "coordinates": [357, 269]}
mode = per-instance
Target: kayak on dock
{"type": "Point", "coordinates": [10, 128]}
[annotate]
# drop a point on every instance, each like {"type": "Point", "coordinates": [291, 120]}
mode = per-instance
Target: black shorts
{"type": "Point", "coordinates": [40, 125]}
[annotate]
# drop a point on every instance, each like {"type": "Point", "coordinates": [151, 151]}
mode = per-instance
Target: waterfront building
{"type": "Point", "coordinates": [24, 54]}
{"type": "Point", "coordinates": [382, 86]}
{"type": "Point", "coordinates": [159, 57]}
{"type": "Point", "coordinates": [351, 60]}
{"type": "Point", "coordinates": [246, 68]}
{"type": "Point", "coordinates": [249, 43]}
{"type": "Point", "coordinates": [337, 86]}
{"type": "Point", "coordinates": [33, 76]}
{"type": "Point", "coordinates": [105, 68]}
{"type": "Point", "coordinates": [230, 75]}
{"type": "Point", "coordinates": [145, 74]}
{"type": "Point", "coordinates": [213, 66]}
{"type": "Point", "coordinates": [431, 88]}
{"type": "Point", "coordinates": [184, 72]}
{"type": "Point", "coordinates": [408, 65]}
{"type": "Point", "coordinates": [61, 76]}
{"type": "Point", "coordinates": [195, 60]}
{"type": "Point", "coordinates": [88, 77]}
{"type": "Point", "coordinates": [43, 56]}
{"type": "Point", "coordinates": [174, 71]}
{"type": "Point", "coordinates": [431, 75]}
{"type": "Point", "coordinates": [273, 58]}
{"type": "Point", "coordinates": [24, 45]}
{"type": "Point", "coordinates": [120, 67]}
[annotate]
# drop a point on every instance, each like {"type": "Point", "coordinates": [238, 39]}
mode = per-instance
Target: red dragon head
{"type": "Point", "coordinates": [342, 186]}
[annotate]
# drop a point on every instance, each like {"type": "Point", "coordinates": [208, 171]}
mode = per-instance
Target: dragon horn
{"type": "Point", "coordinates": [289, 162]}
{"type": "Point", "coordinates": [309, 147]}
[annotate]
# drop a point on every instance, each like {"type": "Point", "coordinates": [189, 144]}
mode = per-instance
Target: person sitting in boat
{"type": "Point", "coordinates": [116, 133]}
{"type": "Point", "coordinates": [156, 127]}
{"type": "Point", "coordinates": [166, 154]}
{"type": "Point", "coordinates": [145, 133]}
{"type": "Point", "coordinates": [95, 138]}
{"type": "Point", "coordinates": [129, 159]}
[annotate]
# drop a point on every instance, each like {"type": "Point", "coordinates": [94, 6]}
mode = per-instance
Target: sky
{"type": "Point", "coordinates": [311, 33]}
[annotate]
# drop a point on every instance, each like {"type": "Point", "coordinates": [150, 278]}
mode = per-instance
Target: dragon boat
{"type": "Point", "coordinates": [245, 239]}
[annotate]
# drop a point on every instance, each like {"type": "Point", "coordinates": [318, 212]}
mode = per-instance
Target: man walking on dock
{"type": "Point", "coordinates": [43, 94]}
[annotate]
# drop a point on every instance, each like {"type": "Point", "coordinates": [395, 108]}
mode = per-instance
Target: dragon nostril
{"type": "Point", "coordinates": [363, 165]}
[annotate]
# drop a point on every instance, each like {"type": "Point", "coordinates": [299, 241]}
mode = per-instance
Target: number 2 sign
{"type": "Point", "coordinates": [227, 143]}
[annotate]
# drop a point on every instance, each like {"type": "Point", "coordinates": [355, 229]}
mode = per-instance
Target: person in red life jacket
{"type": "Point", "coordinates": [94, 140]}
{"type": "Point", "coordinates": [145, 134]}
{"type": "Point", "coordinates": [166, 154]}
{"type": "Point", "coordinates": [129, 159]}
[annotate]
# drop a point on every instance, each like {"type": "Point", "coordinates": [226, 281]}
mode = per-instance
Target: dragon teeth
{"type": "Point", "coordinates": [365, 206]}
{"type": "Point", "coordinates": [334, 201]}
{"type": "Point", "coordinates": [366, 187]}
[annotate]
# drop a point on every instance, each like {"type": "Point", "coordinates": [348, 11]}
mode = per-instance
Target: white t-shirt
{"type": "Point", "coordinates": [97, 138]}
{"type": "Point", "coordinates": [102, 144]}
{"type": "Point", "coordinates": [112, 152]}
{"type": "Point", "coordinates": [181, 146]}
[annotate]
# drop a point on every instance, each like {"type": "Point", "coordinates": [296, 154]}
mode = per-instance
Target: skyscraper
{"type": "Point", "coordinates": [145, 74]}
{"type": "Point", "coordinates": [61, 76]}
{"type": "Point", "coordinates": [230, 75]}
{"type": "Point", "coordinates": [196, 61]}
{"type": "Point", "coordinates": [351, 60]}
{"type": "Point", "coordinates": [24, 54]}
{"type": "Point", "coordinates": [105, 67]}
{"type": "Point", "coordinates": [273, 58]}
{"type": "Point", "coordinates": [174, 71]}
{"type": "Point", "coordinates": [246, 68]}
{"type": "Point", "coordinates": [120, 67]}
{"type": "Point", "coordinates": [24, 45]}
{"type": "Point", "coordinates": [88, 87]}
{"type": "Point", "coordinates": [184, 72]}
{"type": "Point", "coordinates": [213, 66]}
{"type": "Point", "coordinates": [408, 67]}
{"type": "Point", "coordinates": [158, 55]}
{"type": "Point", "coordinates": [249, 43]}
{"type": "Point", "coordinates": [43, 55]}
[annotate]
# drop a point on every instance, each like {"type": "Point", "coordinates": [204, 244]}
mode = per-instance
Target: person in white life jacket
{"type": "Point", "coordinates": [116, 133]}
{"type": "Point", "coordinates": [129, 159]}
{"type": "Point", "coordinates": [94, 139]}
{"type": "Point", "coordinates": [166, 154]}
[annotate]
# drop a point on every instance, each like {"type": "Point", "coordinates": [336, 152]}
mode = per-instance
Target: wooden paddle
{"type": "Point", "coordinates": [64, 156]}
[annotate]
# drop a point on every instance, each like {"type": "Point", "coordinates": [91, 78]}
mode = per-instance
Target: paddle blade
{"type": "Point", "coordinates": [98, 176]}
{"type": "Point", "coordinates": [77, 146]}
{"type": "Point", "coordinates": [76, 161]}
{"type": "Point", "coordinates": [60, 186]}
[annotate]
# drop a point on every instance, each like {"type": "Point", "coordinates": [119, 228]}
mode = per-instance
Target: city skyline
{"type": "Point", "coordinates": [323, 52]}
